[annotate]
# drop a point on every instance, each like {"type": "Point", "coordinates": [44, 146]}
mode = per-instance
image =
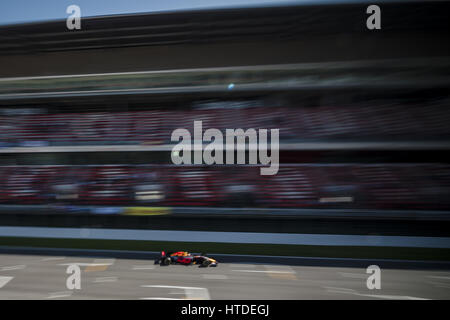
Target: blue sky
{"type": "Point", "coordinates": [19, 11]}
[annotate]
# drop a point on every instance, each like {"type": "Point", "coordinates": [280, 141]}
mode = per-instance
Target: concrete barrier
{"type": "Point", "coordinates": [300, 213]}
{"type": "Point", "coordinates": [227, 237]}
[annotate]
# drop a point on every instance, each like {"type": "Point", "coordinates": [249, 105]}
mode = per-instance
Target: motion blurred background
{"type": "Point", "coordinates": [86, 118]}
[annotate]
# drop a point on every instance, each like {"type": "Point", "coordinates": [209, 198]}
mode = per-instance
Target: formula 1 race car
{"type": "Point", "coordinates": [185, 258]}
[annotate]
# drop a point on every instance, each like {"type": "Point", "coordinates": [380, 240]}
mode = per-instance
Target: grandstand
{"type": "Point", "coordinates": [298, 123]}
{"type": "Point", "coordinates": [376, 186]}
{"type": "Point", "coordinates": [136, 78]}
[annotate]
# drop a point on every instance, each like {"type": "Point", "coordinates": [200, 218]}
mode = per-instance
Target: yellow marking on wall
{"type": "Point", "coordinates": [146, 211]}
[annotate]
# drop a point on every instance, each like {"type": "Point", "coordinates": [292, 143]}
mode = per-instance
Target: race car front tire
{"type": "Point", "coordinates": [165, 261]}
{"type": "Point", "coordinates": [206, 263]}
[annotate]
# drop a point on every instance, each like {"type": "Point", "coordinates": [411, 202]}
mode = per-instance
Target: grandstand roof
{"type": "Point", "coordinates": [219, 25]}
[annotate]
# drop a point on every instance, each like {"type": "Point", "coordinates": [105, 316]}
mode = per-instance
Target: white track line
{"type": "Point", "coordinates": [144, 267]}
{"type": "Point", "coordinates": [379, 296]}
{"type": "Point", "coordinates": [339, 289]}
{"type": "Point", "coordinates": [60, 294]}
{"type": "Point", "coordinates": [265, 271]}
{"type": "Point", "coordinates": [4, 281]}
{"type": "Point", "coordinates": [194, 293]}
{"type": "Point", "coordinates": [279, 269]}
{"type": "Point", "coordinates": [19, 267]}
{"type": "Point", "coordinates": [105, 279]}
{"type": "Point", "coordinates": [85, 264]}
{"type": "Point", "coordinates": [391, 297]}
{"type": "Point", "coordinates": [53, 258]}
{"type": "Point", "coordinates": [215, 276]}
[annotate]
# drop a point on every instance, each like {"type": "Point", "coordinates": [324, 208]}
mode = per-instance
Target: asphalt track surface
{"type": "Point", "coordinates": [37, 276]}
